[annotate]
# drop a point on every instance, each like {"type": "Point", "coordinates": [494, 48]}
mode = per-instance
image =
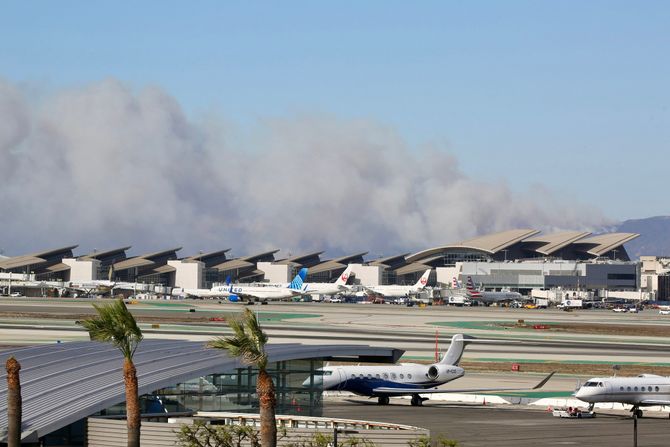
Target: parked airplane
{"type": "Point", "coordinates": [392, 291]}
{"type": "Point", "coordinates": [642, 391]}
{"type": "Point", "coordinates": [214, 292]}
{"type": "Point", "coordinates": [327, 288]}
{"type": "Point", "coordinates": [405, 379]}
{"type": "Point", "coordinates": [489, 297]}
{"type": "Point", "coordinates": [238, 292]}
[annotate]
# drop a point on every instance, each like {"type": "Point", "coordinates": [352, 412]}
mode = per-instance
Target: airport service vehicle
{"type": "Point", "coordinates": [570, 304]}
{"type": "Point", "coordinates": [620, 309]}
{"type": "Point", "coordinates": [664, 312]}
{"type": "Point", "coordinates": [393, 291]}
{"type": "Point", "coordinates": [489, 297]}
{"type": "Point", "coordinates": [541, 303]}
{"type": "Point", "coordinates": [572, 413]}
{"type": "Point", "coordinates": [642, 391]}
{"type": "Point", "coordinates": [456, 300]}
{"type": "Point", "coordinates": [405, 379]}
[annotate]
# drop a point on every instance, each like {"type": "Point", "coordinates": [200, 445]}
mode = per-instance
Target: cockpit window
{"type": "Point", "coordinates": [327, 373]}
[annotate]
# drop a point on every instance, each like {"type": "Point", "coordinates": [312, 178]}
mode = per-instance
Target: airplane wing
{"type": "Point", "coordinates": [388, 391]}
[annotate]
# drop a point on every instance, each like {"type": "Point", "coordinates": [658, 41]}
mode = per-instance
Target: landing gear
{"type": "Point", "coordinates": [591, 408]}
{"type": "Point", "coordinates": [637, 412]}
{"type": "Point", "coordinates": [417, 400]}
{"type": "Point", "coordinates": [383, 400]}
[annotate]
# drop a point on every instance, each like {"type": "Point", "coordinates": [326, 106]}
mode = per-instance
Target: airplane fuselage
{"type": "Point", "coordinates": [646, 390]}
{"type": "Point", "coordinates": [363, 380]}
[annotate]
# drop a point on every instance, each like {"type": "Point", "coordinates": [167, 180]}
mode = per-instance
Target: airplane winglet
{"type": "Point", "coordinates": [544, 381]}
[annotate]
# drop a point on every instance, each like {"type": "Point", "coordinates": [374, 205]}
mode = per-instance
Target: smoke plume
{"type": "Point", "coordinates": [104, 166]}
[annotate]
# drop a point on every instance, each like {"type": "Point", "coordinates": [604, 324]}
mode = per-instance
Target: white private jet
{"type": "Point", "coordinates": [644, 390]}
{"type": "Point", "coordinates": [405, 379]}
{"type": "Point", "coordinates": [328, 288]}
{"type": "Point", "coordinates": [239, 292]}
{"type": "Point", "coordinates": [489, 297]}
{"type": "Point", "coordinates": [395, 291]}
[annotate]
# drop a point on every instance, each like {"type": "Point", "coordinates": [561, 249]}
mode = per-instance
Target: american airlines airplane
{"type": "Point", "coordinates": [489, 297]}
{"type": "Point", "coordinates": [405, 379]}
{"type": "Point", "coordinates": [642, 391]}
{"type": "Point", "coordinates": [393, 291]}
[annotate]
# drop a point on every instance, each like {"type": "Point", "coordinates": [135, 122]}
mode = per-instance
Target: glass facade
{"type": "Point", "coordinates": [235, 391]}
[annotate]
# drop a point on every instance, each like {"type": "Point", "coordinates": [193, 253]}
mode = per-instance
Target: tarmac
{"type": "Point", "coordinates": [513, 426]}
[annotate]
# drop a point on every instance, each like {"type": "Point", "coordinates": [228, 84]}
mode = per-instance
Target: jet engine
{"type": "Point", "coordinates": [233, 298]}
{"type": "Point", "coordinates": [440, 372]}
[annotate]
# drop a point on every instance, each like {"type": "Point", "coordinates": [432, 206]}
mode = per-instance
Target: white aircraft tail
{"type": "Point", "coordinates": [456, 348]}
{"type": "Point", "coordinates": [344, 277]}
{"type": "Point", "coordinates": [421, 283]}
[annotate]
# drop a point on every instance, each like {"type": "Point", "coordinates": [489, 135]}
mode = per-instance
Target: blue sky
{"type": "Point", "coordinates": [573, 95]}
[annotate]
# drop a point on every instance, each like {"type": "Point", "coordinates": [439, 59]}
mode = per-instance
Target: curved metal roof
{"type": "Point", "coordinates": [603, 243]}
{"type": "Point", "coordinates": [63, 383]}
{"type": "Point", "coordinates": [490, 243]}
{"type": "Point", "coordinates": [551, 243]}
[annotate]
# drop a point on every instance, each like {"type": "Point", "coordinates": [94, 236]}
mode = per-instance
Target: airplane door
{"type": "Point", "coordinates": [342, 379]}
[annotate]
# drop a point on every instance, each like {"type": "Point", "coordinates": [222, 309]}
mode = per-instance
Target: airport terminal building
{"type": "Point", "coordinates": [519, 259]}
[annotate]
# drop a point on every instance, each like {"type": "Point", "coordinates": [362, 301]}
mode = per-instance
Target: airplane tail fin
{"type": "Point", "coordinates": [454, 283]}
{"type": "Point", "coordinates": [342, 280]}
{"type": "Point", "coordinates": [471, 290]}
{"type": "Point", "coordinates": [423, 280]}
{"type": "Point", "coordinates": [456, 348]}
{"type": "Point", "coordinates": [228, 279]}
{"type": "Point", "coordinates": [299, 279]}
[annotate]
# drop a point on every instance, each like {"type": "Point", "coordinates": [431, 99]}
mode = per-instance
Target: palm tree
{"type": "Point", "coordinates": [13, 402]}
{"type": "Point", "coordinates": [116, 325]}
{"type": "Point", "coordinates": [248, 343]}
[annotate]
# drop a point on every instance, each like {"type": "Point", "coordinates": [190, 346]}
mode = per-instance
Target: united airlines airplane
{"type": "Point", "coordinates": [405, 379]}
{"type": "Point", "coordinates": [642, 391]}
{"type": "Point", "coordinates": [264, 293]}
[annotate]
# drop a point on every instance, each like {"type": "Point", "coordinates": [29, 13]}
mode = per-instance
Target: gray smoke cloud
{"type": "Point", "coordinates": [104, 166]}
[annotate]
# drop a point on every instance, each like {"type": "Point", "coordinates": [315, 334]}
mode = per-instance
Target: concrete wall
{"type": "Point", "coordinates": [113, 432]}
{"type": "Point", "coordinates": [188, 274]}
{"type": "Point", "coordinates": [445, 275]}
{"type": "Point", "coordinates": [367, 275]}
{"type": "Point", "coordinates": [275, 273]}
{"type": "Point", "coordinates": [82, 270]}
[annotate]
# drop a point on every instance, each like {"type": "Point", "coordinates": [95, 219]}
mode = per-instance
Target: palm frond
{"type": "Point", "coordinates": [248, 340]}
{"type": "Point", "coordinates": [115, 324]}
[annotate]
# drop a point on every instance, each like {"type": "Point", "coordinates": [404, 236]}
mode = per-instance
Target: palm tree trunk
{"type": "Point", "coordinates": [132, 403]}
{"type": "Point", "coordinates": [265, 389]}
{"type": "Point", "coordinates": [13, 403]}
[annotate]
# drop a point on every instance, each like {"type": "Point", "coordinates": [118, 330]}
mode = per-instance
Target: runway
{"type": "Point", "coordinates": [411, 329]}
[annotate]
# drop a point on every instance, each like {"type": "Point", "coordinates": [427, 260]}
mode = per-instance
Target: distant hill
{"type": "Point", "coordinates": [654, 237]}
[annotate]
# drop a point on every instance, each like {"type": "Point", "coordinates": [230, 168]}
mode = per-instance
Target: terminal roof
{"type": "Point", "coordinates": [63, 383]}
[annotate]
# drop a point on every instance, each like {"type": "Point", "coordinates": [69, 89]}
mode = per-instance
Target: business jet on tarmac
{"type": "Point", "coordinates": [405, 379]}
{"type": "Point", "coordinates": [238, 292]}
{"type": "Point", "coordinates": [394, 291]}
{"type": "Point", "coordinates": [489, 297]}
{"type": "Point", "coordinates": [644, 390]}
